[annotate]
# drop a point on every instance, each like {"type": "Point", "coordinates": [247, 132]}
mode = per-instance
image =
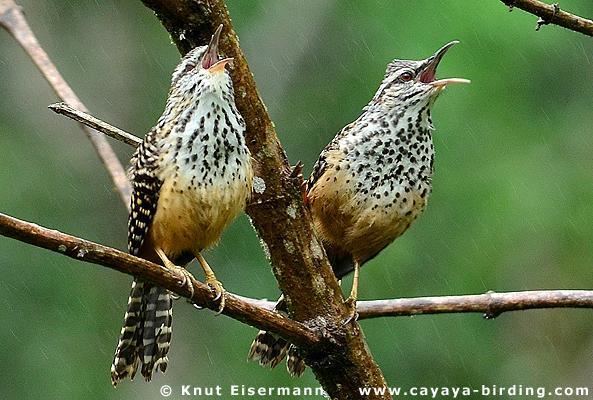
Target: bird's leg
{"type": "Point", "coordinates": [351, 301]}
{"type": "Point", "coordinates": [212, 281]}
{"type": "Point", "coordinates": [187, 277]}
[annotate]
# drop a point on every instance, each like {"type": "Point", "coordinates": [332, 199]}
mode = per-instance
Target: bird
{"type": "Point", "coordinates": [191, 176]}
{"type": "Point", "coordinates": [370, 183]}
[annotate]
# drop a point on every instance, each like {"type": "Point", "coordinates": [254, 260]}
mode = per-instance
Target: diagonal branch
{"type": "Point", "coordinates": [13, 20]}
{"type": "Point", "coordinates": [84, 250]}
{"type": "Point", "coordinates": [552, 14]}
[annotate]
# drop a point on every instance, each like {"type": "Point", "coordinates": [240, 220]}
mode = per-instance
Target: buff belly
{"type": "Point", "coordinates": [356, 223]}
{"type": "Point", "coordinates": [193, 220]}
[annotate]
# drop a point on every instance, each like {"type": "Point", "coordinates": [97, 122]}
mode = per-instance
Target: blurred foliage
{"type": "Point", "coordinates": [511, 208]}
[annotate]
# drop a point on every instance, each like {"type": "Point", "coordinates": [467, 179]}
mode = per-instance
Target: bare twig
{"type": "Point", "coordinates": [490, 304]}
{"type": "Point", "coordinates": [552, 14]}
{"type": "Point", "coordinates": [13, 20]}
{"type": "Point", "coordinates": [95, 123]}
{"type": "Point", "coordinates": [84, 250]}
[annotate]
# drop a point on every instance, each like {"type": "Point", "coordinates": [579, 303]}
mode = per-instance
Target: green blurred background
{"type": "Point", "coordinates": [511, 208]}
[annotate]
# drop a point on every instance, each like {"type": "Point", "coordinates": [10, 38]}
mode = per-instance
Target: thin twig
{"type": "Point", "coordinates": [490, 304]}
{"type": "Point", "coordinates": [95, 123]}
{"type": "Point", "coordinates": [552, 14]}
{"type": "Point", "coordinates": [84, 250]}
{"type": "Point", "coordinates": [13, 20]}
{"type": "Point", "coordinates": [131, 139]}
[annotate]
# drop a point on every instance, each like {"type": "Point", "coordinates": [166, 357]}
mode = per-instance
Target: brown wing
{"type": "Point", "coordinates": [325, 191]}
{"type": "Point", "coordinates": [325, 160]}
{"type": "Point", "coordinates": [145, 193]}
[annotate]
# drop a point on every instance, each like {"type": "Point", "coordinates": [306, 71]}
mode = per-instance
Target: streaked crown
{"type": "Point", "coordinates": [409, 83]}
{"type": "Point", "coordinates": [202, 69]}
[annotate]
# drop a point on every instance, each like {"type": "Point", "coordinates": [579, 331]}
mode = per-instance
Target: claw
{"type": "Point", "coordinates": [353, 317]}
{"type": "Point", "coordinates": [186, 281]}
{"type": "Point", "coordinates": [351, 301]}
{"type": "Point", "coordinates": [218, 289]}
{"type": "Point", "coordinates": [297, 170]}
{"type": "Point", "coordinates": [218, 294]}
{"type": "Point", "coordinates": [187, 277]}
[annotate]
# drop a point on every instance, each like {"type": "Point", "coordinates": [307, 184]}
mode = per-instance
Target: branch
{"type": "Point", "coordinates": [551, 14]}
{"type": "Point", "coordinates": [84, 250]}
{"type": "Point", "coordinates": [258, 313]}
{"type": "Point", "coordinates": [490, 304]}
{"type": "Point", "coordinates": [13, 20]}
{"type": "Point", "coordinates": [95, 123]}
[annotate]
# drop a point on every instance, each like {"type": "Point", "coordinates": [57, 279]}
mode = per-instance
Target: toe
{"type": "Point", "coordinates": [353, 314]}
{"type": "Point", "coordinates": [219, 291]}
{"type": "Point", "coordinates": [221, 304]}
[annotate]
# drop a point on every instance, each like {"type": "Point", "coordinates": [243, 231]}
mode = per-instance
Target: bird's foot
{"type": "Point", "coordinates": [353, 314]}
{"type": "Point", "coordinates": [542, 21]}
{"type": "Point", "coordinates": [296, 171]}
{"type": "Point", "coordinates": [218, 290]}
{"type": "Point", "coordinates": [186, 280]}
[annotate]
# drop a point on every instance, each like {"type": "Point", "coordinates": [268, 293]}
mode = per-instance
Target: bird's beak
{"type": "Point", "coordinates": [211, 60]}
{"type": "Point", "coordinates": [219, 66]}
{"type": "Point", "coordinates": [428, 75]}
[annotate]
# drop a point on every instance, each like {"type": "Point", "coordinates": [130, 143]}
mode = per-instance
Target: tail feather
{"type": "Point", "coordinates": [269, 349]}
{"type": "Point", "coordinates": [156, 336]}
{"type": "Point", "coordinates": [295, 365]}
{"type": "Point", "coordinates": [146, 333]}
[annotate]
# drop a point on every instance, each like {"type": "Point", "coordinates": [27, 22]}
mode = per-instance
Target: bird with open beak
{"type": "Point", "coordinates": [191, 176]}
{"type": "Point", "coordinates": [371, 181]}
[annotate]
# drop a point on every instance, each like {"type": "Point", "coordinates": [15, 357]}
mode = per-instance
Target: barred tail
{"type": "Point", "coordinates": [295, 365]}
{"type": "Point", "coordinates": [146, 333]}
{"type": "Point", "coordinates": [156, 337]}
{"type": "Point", "coordinates": [270, 349]}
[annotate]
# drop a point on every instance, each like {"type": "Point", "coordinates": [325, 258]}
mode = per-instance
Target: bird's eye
{"type": "Point", "coordinates": [406, 76]}
{"type": "Point", "coordinates": [188, 67]}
